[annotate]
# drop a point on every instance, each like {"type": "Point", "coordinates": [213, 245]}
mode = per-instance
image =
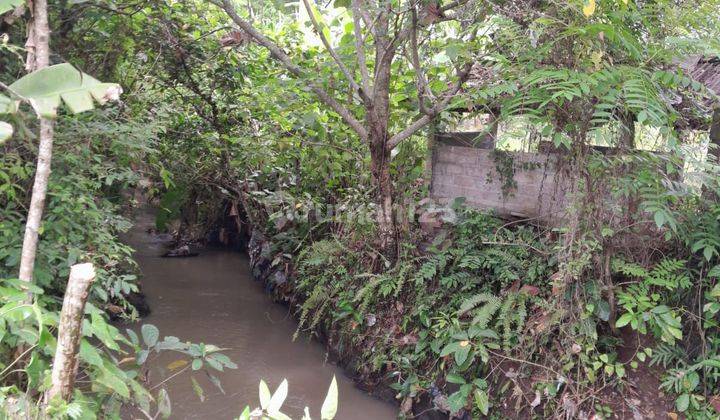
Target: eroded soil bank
{"type": "Point", "coordinates": [213, 298]}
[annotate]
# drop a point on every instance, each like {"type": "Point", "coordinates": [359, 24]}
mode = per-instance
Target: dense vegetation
{"type": "Point", "coordinates": [304, 129]}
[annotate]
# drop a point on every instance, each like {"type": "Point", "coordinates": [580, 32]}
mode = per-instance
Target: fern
{"type": "Point", "coordinates": [484, 314]}
{"type": "Point", "coordinates": [472, 262]}
{"type": "Point", "coordinates": [629, 269]}
{"type": "Point", "coordinates": [366, 292]}
{"type": "Point", "coordinates": [456, 279]}
{"type": "Point", "coordinates": [431, 268]}
{"type": "Point", "coordinates": [669, 273]}
{"type": "Point", "coordinates": [316, 302]}
{"type": "Point", "coordinates": [667, 355]}
{"type": "Point", "coordinates": [427, 271]}
{"type": "Point", "coordinates": [511, 317]}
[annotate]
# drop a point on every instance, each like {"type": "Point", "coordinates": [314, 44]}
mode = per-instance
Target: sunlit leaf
{"type": "Point", "coordinates": [6, 131]}
{"type": "Point", "coordinates": [329, 407]}
{"type": "Point", "coordinates": [46, 88]}
{"type": "Point", "coordinates": [264, 395]}
{"type": "Point", "coordinates": [278, 398]}
{"type": "Point", "coordinates": [245, 415]}
{"type": "Point", "coordinates": [589, 8]}
{"type": "Point", "coordinates": [7, 5]}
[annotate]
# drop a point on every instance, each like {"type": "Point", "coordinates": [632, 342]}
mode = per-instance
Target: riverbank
{"type": "Point", "coordinates": [457, 328]}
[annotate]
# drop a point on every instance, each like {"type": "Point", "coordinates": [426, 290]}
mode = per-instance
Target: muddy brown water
{"type": "Point", "coordinates": [213, 299]}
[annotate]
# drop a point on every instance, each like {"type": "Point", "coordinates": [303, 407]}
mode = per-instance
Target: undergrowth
{"type": "Point", "coordinates": [440, 313]}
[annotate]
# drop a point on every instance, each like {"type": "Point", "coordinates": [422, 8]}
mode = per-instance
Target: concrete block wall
{"type": "Point", "coordinates": [537, 190]}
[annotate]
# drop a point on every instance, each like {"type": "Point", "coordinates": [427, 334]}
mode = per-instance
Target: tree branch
{"type": "Point", "coordinates": [360, 47]}
{"type": "Point", "coordinates": [403, 34]}
{"type": "Point", "coordinates": [432, 112]}
{"type": "Point", "coordinates": [285, 60]}
{"type": "Point", "coordinates": [415, 61]}
{"type": "Point", "coordinates": [365, 95]}
{"type": "Point", "coordinates": [452, 5]}
{"type": "Point", "coordinates": [369, 23]}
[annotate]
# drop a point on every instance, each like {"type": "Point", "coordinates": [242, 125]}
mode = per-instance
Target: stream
{"type": "Point", "coordinates": [212, 298]}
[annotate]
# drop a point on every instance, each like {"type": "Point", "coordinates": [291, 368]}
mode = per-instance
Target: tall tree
{"type": "Point", "coordinates": [382, 29]}
{"type": "Point", "coordinates": [38, 57]}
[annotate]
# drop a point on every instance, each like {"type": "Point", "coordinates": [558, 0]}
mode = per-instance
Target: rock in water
{"type": "Point", "coordinates": [181, 252]}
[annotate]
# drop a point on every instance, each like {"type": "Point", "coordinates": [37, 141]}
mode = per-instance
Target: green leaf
{"type": "Point", "coordinates": [215, 381]}
{"type": "Point", "coordinates": [245, 415]}
{"type": "Point", "coordinates": [329, 407]}
{"type": "Point", "coordinates": [109, 377]}
{"type": "Point", "coordinates": [482, 401]}
{"type": "Point", "coordinates": [659, 218]}
{"type": "Point", "coordinates": [454, 378]}
{"type": "Point", "coordinates": [624, 320]}
{"type": "Point", "coordinates": [475, 331]}
{"type": "Point", "coordinates": [214, 364]}
{"type": "Point", "coordinates": [691, 381]}
{"type": "Point", "coordinates": [619, 370]}
{"type": "Point", "coordinates": [708, 253]}
{"type": "Point", "coordinates": [197, 364]}
{"type": "Point", "coordinates": [89, 354]}
{"type": "Point", "coordinates": [682, 403]}
{"type": "Point", "coordinates": [133, 336]}
{"type": "Point", "coordinates": [457, 400]}
{"type": "Point", "coordinates": [609, 369]}
{"type": "Point", "coordinates": [150, 334]}
{"type": "Point", "coordinates": [450, 348]}
{"type": "Point", "coordinates": [164, 406]}
{"type": "Point", "coordinates": [711, 363]}
{"type": "Point", "coordinates": [7, 5]}
{"type": "Point", "coordinates": [46, 88]}
{"type": "Point", "coordinates": [6, 131]}
{"type": "Point", "coordinates": [35, 370]}
{"type": "Point", "coordinates": [6, 104]}
{"type": "Point", "coordinates": [198, 389]}
{"type": "Point", "coordinates": [461, 354]}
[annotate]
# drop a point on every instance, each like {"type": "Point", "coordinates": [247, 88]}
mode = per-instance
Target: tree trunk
{"type": "Point", "coordinates": [715, 135]}
{"type": "Point", "coordinates": [378, 116]}
{"type": "Point", "coordinates": [65, 364]}
{"type": "Point", "coordinates": [430, 142]}
{"type": "Point", "coordinates": [38, 60]}
{"type": "Point", "coordinates": [377, 120]}
{"type": "Point", "coordinates": [713, 151]}
{"type": "Point", "coordinates": [380, 169]}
